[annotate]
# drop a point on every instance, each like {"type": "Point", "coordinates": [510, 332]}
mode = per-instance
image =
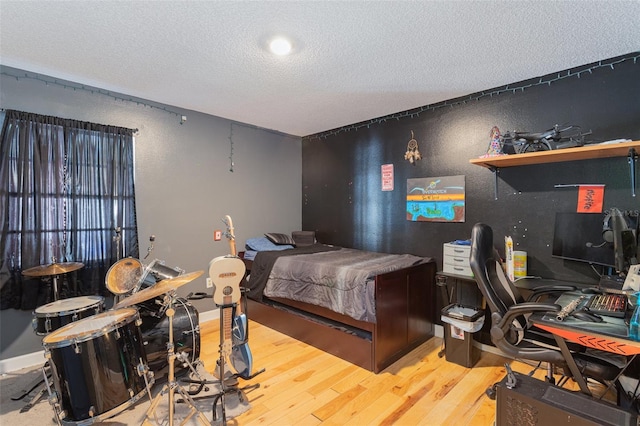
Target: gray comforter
{"type": "Point", "coordinates": [340, 280]}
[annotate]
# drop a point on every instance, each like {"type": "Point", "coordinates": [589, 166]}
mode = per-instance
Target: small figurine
{"type": "Point", "coordinates": [495, 146]}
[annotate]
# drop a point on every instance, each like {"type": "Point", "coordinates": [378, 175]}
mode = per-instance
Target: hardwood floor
{"type": "Point", "coordinates": [305, 386]}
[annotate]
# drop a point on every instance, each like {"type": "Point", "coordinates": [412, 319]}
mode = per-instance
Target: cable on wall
{"type": "Point", "coordinates": [231, 147]}
{"type": "Point", "coordinates": [545, 80]}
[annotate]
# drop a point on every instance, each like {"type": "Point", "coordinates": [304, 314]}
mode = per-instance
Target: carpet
{"type": "Point", "coordinates": [42, 413]}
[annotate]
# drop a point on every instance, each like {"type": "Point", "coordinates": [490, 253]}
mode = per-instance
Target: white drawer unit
{"type": "Point", "coordinates": [455, 259]}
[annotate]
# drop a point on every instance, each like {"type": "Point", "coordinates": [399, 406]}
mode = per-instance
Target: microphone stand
{"type": "Point", "coordinates": [117, 239]}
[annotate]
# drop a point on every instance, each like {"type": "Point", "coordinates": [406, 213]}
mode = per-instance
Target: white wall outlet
{"type": "Point", "coordinates": [217, 235]}
{"type": "Point", "coordinates": [209, 283]}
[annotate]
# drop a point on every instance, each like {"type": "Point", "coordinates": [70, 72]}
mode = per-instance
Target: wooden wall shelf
{"type": "Point", "coordinates": [568, 154]}
{"type": "Point", "coordinates": [588, 152]}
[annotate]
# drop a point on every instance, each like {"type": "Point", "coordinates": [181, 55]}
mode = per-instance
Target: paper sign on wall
{"type": "Point", "coordinates": [387, 177]}
{"type": "Point", "coordinates": [590, 198]}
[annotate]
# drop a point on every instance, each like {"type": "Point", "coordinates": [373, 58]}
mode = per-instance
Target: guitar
{"type": "Point", "coordinates": [241, 358]}
{"type": "Point", "coordinates": [226, 273]}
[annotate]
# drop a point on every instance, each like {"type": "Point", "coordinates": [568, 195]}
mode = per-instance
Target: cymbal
{"type": "Point", "coordinates": [52, 269]}
{"type": "Point", "coordinates": [162, 287]}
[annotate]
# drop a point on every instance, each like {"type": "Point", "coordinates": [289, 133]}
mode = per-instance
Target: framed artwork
{"type": "Point", "coordinates": [436, 199]}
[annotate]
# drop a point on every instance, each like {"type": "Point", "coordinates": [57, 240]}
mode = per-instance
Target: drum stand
{"type": "Point", "coordinates": [172, 386]}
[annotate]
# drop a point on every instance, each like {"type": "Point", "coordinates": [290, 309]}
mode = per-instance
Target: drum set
{"type": "Point", "coordinates": [53, 270]}
{"type": "Point", "coordinates": [102, 361]}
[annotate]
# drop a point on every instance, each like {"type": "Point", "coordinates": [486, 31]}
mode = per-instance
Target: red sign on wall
{"type": "Point", "coordinates": [387, 177]}
{"type": "Point", "coordinates": [590, 198]}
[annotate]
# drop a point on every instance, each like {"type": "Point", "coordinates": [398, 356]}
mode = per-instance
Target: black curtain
{"type": "Point", "coordinates": [67, 195]}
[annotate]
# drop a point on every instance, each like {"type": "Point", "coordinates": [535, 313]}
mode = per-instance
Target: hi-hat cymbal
{"type": "Point", "coordinates": [52, 269]}
{"type": "Point", "coordinates": [162, 287]}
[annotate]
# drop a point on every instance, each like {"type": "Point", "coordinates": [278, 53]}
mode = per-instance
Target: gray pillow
{"type": "Point", "coordinates": [280, 239]}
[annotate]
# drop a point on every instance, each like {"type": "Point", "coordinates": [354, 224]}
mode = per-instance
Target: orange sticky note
{"type": "Point", "coordinates": [590, 198]}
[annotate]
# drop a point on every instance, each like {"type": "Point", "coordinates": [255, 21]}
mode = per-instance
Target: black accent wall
{"type": "Point", "coordinates": [342, 198]}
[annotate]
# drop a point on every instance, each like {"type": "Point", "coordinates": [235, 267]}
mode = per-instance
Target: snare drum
{"type": "Point", "coordinates": [52, 316]}
{"type": "Point", "coordinates": [97, 366]}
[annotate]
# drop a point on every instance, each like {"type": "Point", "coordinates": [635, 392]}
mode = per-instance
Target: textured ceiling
{"type": "Point", "coordinates": [352, 61]}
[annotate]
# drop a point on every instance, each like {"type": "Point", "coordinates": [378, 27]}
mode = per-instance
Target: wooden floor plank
{"type": "Point", "coordinates": [302, 385]}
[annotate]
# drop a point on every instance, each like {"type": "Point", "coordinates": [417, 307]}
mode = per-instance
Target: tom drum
{"type": "Point", "coordinates": [98, 366]}
{"type": "Point", "coordinates": [123, 276]}
{"type": "Point", "coordinates": [52, 316]}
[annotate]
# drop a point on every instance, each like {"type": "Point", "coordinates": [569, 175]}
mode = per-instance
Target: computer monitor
{"type": "Point", "coordinates": [578, 237]}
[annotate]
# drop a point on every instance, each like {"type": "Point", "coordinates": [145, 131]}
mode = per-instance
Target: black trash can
{"type": "Point", "coordinates": [460, 324]}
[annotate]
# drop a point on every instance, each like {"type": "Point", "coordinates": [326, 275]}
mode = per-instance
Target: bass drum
{"type": "Point", "coordinates": [155, 332]}
{"type": "Point", "coordinates": [52, 316]}
{"type": "Point", "coordinates": [95, 365]}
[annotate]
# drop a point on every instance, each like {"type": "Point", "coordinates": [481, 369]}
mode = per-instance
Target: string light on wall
{"type": "Point", "coordinates": [510, 88]}
{"type": "Point", "coordinates": [92, 90]}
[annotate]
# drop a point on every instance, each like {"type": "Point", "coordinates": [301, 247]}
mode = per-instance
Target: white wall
{"type": "Point", "coordinates": [184, 186]}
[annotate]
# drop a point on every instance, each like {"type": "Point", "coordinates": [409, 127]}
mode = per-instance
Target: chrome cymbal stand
{"type": "Point", "coordinates": [172, 386]}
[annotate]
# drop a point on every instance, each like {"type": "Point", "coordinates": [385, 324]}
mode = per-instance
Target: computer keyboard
{"type": "Point", "coordinates": [609, 304]}
{"type": "Point", "coordinates": [611, 283]}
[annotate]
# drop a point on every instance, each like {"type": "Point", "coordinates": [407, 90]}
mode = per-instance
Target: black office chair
{"type": "Point", "coordinates": [510, 330]}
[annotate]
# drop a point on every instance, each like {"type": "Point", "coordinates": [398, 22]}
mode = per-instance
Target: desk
{"type": "Point", "coordinates": [611, 335]}
{"type": "Point", "coordinates": [530, 284]}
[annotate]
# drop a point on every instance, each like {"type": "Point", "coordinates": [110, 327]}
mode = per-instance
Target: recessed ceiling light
{"type": "Point", "coordinates": [280, 46]}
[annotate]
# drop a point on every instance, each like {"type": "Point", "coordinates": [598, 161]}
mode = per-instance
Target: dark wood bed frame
{"type": "Point", "coordinates": [405, 312]}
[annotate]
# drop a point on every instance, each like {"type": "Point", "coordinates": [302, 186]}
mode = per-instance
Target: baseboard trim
{"type": "Point", "coordinates": [438, 331]}
{"type": "Point", "coordinates": [37, 358]}
{"type": "Point", "coordinates": [21, 361]}
{"type": "Point", "coordinates": [209, 315]}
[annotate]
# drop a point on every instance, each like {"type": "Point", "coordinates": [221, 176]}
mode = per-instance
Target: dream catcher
{"type": "Point", "coordinates": [412, 153]}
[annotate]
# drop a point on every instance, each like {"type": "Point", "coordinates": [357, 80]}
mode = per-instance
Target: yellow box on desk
{"type": "Point", "coordinates": [455, 259]}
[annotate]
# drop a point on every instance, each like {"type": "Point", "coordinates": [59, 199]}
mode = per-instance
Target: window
{"type": "Point", "coordinates": [67, 190]}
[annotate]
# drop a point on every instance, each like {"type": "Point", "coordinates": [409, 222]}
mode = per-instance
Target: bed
{"type": "Point", "coordinates": [367, 308]}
